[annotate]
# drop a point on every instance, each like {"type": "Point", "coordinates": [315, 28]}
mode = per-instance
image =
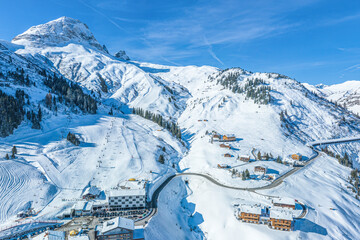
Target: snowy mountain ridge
{"type": "Point", "coordinates": [346, 94]}
{"type": "Point", "coordinates": [59, 32]}
{"type": "Point", "coordinates": [267, 112]}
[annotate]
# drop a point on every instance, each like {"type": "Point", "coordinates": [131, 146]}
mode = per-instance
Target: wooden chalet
{"type": "Point", "coordinates": [229, 138]}
{"type": "Point", "coordinates": [91, 193]}
{"type": "Point", "coordinates": [227, 155]}
{"type": "Point", "coordinates": [260, 169]}
{"type": "Point", "coordinates": [296, 156]}
{"type": "Point", "coordinates": [244, 158]}
{"type": "Point", "coordinates": [216, 137]}
{"type": "Point", "coordinates": [223, 166]}
{"type": "Point", "coordinates": [225, 146]}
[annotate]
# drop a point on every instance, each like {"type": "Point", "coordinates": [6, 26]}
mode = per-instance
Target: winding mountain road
{"type": "Point", "coordinates": [154, 200]}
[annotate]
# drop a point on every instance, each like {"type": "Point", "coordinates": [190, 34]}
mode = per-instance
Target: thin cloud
{"type": "Point", "coordinates": [210, 50]}
{"type": "Point", "coordinates": [146, 41]}
{"type": "Point", "coordinates": [353, 68]}
{"type": "Point", "coordinates": [104, 15]}
{"type": "Point", "coordinates": [339, 20]}
{"type": "Point", "coordinates": [130, 20]}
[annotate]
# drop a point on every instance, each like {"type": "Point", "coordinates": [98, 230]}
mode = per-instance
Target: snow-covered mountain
{"type": "Point", "coordinates": [268, 112]}
{"type": "Point", "coordinates": [74, 51]}
{"type": "Point", "coordinates": [346, 94]}
{"type": "Point", "coordinates": [59, 32]}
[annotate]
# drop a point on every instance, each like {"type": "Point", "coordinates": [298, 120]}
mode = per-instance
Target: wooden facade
{"type": "Point", "coordinates": [245, 158]}
{"type": "Point", "coordinates": [225, 146]}
{"type": "Point", "coordinates": [296, 156]}
{"type": "Point", "coordinates": [227, 155]}
{"type": "Point", "coordinates": [278, 219]}
{"type": "Point", "coordinates": [216, 137]}
{"type": "Point", "coordinates": [281, 224]}
{"type": "Point", "coordinates": [249, 217]}
{"type": "Point", "coordinates": [229, 138]}
{"type": "Point", "coordinates": [260, 169]}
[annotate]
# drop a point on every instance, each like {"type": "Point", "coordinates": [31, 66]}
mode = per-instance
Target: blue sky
{"type": "Point", "coordinates": [315, 41]}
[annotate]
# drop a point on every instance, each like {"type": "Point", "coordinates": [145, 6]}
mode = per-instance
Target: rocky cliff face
{"type": "Point", "coordinates": [122, 55]}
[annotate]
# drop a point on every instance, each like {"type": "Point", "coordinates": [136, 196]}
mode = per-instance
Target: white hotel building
{"type": "Point", "coordinates": [126, 199]}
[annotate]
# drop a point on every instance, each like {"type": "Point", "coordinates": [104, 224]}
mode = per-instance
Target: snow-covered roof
{"type": "Point", "coordinates": [138, 184]}
{"type": "Point", "coordinates": [84, 206]}
{"type": "Point", "coordinates": [92, 190]}
{"type": "Point", "coordinates": [56, 235]}
{"type": "Point", "coordinates": [258, 167]}
{"type": "Point", "coordinates": [78, 237]}
{"type": "Point", "coordinates": [99, 202]}
{"type": "Point", "coordinates": [229, 135]}
{"type": "Point", "coordinates": [244, 156]}
{"type": "Point", "coordinates": [128, 188]}
{"type": "Point", "coordinates": [284, 200]}
{"type": "Point", "coordinates": [254, 209]}
{"type": "Point", "coordinates": [281, 214]}
{"type": "Point", "coordinates": [126, 192]}
{"type": "Point", "coordinates": [118, 222]}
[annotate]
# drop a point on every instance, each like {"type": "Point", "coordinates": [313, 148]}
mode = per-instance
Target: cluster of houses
{"type": "Point", "coordinates": [129, 196]}
{"type": "Point", "coordinates": [223, 138]}
{"type": "Point", "coordinates": [279, 216]}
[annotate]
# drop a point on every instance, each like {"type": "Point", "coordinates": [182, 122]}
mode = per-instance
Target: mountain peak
{"type": "Point", "coordinates": [58, 32]}
{"type": "Point", "coordinates": [122, 55]}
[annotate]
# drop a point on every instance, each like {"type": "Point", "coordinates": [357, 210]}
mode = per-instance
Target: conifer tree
{"type": "Point", "coordinates": [161, 159]}
{"type": "Point", "coordinates": [14, 150]}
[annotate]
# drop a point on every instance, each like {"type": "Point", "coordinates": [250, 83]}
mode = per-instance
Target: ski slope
{"type": "Point", "coordinates": [22, 187]}
{"type": "Point", "coordinates": [112, 150]}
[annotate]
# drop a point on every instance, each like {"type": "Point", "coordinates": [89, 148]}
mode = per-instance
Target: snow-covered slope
{"type": "Point", "coordinates": [269, 113]}
{"type": "Point", "coordinates": [74, 51]}
{"type": "Point", "coordinates": [346, 94]}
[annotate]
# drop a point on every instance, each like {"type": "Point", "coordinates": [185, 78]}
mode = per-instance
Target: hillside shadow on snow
{"type": "Point", "coordinates": [186, 136]}
{"type": "Point", "coordinates": [152, 70]}
{"type": "Point", "coordinates": [195, 218]}
{"type": "Point", "coordinates": [307, 226]}
{"type": "Point", "coordinates": [87, 144]}
{"type": "Point", "coordinates": [274, 100]}
{"type": "Point", "coordinates": [272, 171]}
{"type": "Point", "coordinates": [183, 170]}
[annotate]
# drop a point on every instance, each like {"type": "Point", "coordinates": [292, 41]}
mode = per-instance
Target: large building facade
{"type": "Point", "coordinates": [127, 199]}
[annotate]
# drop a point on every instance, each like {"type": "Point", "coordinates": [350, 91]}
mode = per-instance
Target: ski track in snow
{"type": "Point", "coordinates": [18, 181]}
